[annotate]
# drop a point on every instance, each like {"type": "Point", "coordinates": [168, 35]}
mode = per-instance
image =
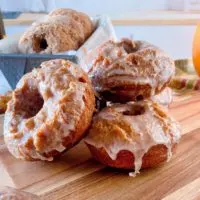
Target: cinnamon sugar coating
{"type": "Point", "coordinates": [50, 110]}
{"type": "Point", "coordinates": [82, 18]}
{"type": "Point", "coordinates": [61, 30]}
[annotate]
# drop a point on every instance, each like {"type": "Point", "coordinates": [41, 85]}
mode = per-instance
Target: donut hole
{"type": "Point", "coordinates": [29, 103]}
{"type": "Point", "coordinates": [135, 110]}
{"type": "Point", "coordinates": [139, 98]}
{"type": "Point", "coordinates": [43, 44]}
{"type": "Point", "coordinates": [82, 80]}
{"type": "Point", "coordinates": [100, 102]}
{"type": "Point", "coordinates": [134, 61]}
{"type": "Point", "coordinates": [39, 44]}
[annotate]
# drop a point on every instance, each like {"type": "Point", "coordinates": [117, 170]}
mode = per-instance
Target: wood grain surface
{"type": "Point", "coordinates": [76, 176]}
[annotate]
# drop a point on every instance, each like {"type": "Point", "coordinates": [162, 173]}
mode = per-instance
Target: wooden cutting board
{"type": "Point", "coordinates": [77, 176]}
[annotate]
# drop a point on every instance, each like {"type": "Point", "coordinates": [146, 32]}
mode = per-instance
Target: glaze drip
{"type": "Point", "coordinates": [46, 107]}
{"type": "Point", "coordinates": [136, 133]}
{"type": "Point", "coordinates": [124, 64]}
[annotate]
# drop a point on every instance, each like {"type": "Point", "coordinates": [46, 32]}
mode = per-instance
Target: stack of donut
{"type": "Point", "coordinates": [62, 30]}
{"type": "Point", "coordinates": [52, 108]}
{"type": "Point", "coordinates": [133, 131]}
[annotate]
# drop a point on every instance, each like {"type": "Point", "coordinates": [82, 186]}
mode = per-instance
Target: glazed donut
{"type": "Point", "coordinates": [130, 70]}
{"type": "Point", "coordinates": [49, 112]}
{"type": "Point", "coordinates": [133, 136]}
{"type": "Point", "coordinates": [8, 193]}
{"type": "Point", "coordinates": [55, 33]}
{"type": "Point", "coordinates": [164, 98]}
{"type": "Point", "coordinates": [84, 19]}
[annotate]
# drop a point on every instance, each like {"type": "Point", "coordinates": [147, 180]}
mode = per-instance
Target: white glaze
{"type": "Point", "coordinates": [61, 78]}
{"type": "Point", "coordinates": [147, 131]}
{"type": "Point", "coordinates": [150, 66]}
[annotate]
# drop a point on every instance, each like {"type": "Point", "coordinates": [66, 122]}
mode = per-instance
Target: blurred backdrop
{"type": "Point", "coordinates": [174, 37]}
{"type": "Point", "coordinates": [90, 6]}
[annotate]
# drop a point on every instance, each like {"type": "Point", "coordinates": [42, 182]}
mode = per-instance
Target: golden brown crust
{"type": "Point", "coordinates": [142, 131]}
{"type": "Point", "coordinates": [84, 19]}
{"type": "Point", "coordinates": [50, 110]}
{"type": "Point", "coordinates": [58, 32]}
{"type": "Point", "coordinates": [128, 70]}
{"type": "Point", "coordinates": [125, 159]}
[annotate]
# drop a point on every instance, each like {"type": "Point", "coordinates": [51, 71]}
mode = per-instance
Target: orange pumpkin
{"type": "Point", "coordinates": [196, 50]}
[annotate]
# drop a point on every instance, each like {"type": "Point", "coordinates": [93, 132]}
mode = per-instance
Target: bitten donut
{"type": "Point", "coordinates": [57, 32]}
{"type": "Point", "coordinates": [8, 193]}
{"type": "Point", "coordinates": [133, 136]}
{"type": "Point", "coordinates": [130, 70]}
{"type": "Point", "coordinates": [49, 112]}
{"type": "Point", "coordinates": [84, 19]}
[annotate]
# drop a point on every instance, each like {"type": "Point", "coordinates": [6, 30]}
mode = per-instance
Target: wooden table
{"type": "Point", "coordinates": [77, 176]}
